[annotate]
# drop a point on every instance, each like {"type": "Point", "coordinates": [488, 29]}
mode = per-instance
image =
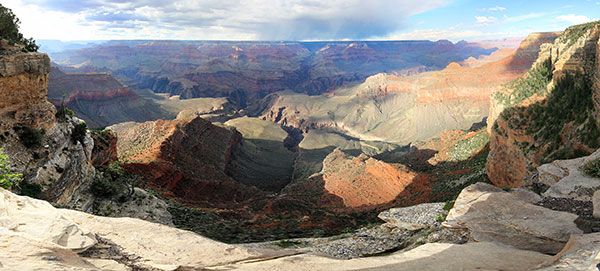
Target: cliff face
{"type": "Point", "coordinates": [99, 99]}
{"type": "Point", "coordinates": [39, 146]}
{"type": "Point", "coordinates": [185, 158]}
{"type": "Point", "coordinates": [247, 71]}
{"type": "Point", "coordinates": [422, 105]}
{"type": "Point", "coordinates": [551, 113]}
{"type": "Point", "coordinates": [23, 81]}
{"type": "Point", "coordinates": [523, 58]}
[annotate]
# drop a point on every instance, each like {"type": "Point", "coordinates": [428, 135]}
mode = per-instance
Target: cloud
{"type": "Point", "coordinates": [245, 19]}
{"type": "Point", "coordinates": [486, 20]}
{"type": "Point", "coordinates": [496, 8]}
{"type": "Point", "coordinates": [573, 19]}
{"type": "Point", "coordinates": [524, 17]}
{"type": "Point", "coordinates": [438, 34]}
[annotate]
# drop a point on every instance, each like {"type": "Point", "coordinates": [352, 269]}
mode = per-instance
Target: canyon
{"type": "Point", "coordinates": [420, 153]}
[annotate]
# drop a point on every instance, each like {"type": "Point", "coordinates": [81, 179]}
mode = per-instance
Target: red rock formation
{"type": "Point", "coordinates": [366, 182]}
{"type": "Point", "coordinates": [105, 148]}
{"type": "Point", "coordinates": [185, 158]}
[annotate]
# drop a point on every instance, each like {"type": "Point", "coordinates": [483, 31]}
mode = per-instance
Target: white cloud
{"type": "Point", "coordinates": [449, 34]}
{"type": "Point", "coordinates": [215, 19]}
{"type": "Point", "coordinates": [486, 20]}
{"type": "Point", "coordinates": [496, 8]}
{"type": "Point", "coordinates": [573, 19]}
{"type": "Point", "coordinates": [523, 17]}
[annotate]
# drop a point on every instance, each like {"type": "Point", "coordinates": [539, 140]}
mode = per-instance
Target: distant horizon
{"type": "Point", "coordinates": [296, 20]}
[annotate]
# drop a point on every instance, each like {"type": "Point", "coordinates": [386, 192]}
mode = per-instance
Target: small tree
{"type": "Point", "coordinates": [9, 30]}
{"type": "Point", "coordinates": [7, 176]}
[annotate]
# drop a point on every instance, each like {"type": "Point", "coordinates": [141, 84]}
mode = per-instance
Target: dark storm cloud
{"type": "Point", "coordinates": [263, 19]}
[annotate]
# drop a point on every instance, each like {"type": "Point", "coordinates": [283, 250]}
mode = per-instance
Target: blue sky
{"type": "Point", "coordinates": [297, 19]}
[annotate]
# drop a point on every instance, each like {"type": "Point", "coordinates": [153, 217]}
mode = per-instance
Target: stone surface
{"type": "Point", "coordinates": [572, 183]}
{"type": "Point", "coordinates": [414, 217]}
{"type": "Point", "coordinates": [59, 165]}
{"type": "Point", "coordinates": [580, 253]}
{"type": "Point", "coordinates": [514, 151]}
{"type": "Point", "coordinates": [39, 220]}
{"type": "Point", "coordinates": [104, 152]}
{"type": "Point", "coordinates": [23, 88]}
{"type": "Point", "coordinates": [596, 204]}
{"type": "Point", "coordinates": [470, 256]}
{"type": "Point", "coordinates": [497, 216]}
{"type": "Point", "coordinates": [160, 246]}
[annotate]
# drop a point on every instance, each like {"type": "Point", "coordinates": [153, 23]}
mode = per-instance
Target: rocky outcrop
{"type": "Point", "coordinates": [23, 88]}
{"type": "Point", "coordinates": [186, 158]}
{"type": "Point", "coordinates": [520, 141]}
{"type": "Point", "coordinates": [39, 146]}
{"type": "Point", "coordinates": [104, 152]}
{"type": "Point", "coordinates": [566, 179]}
{"type": "Point", "coordinates": [524, 57]}
{"type": "Point", "coordinates": [493, 215]}
{"type": "Point", "coordinates": [363, 181]}
{"type": "Point", "coordinates": [582, 252]}
{"type": "Point", "coordinates": [415, 217]}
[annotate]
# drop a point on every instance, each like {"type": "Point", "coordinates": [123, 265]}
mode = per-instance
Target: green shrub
{"type": "Point", "coordinates": [78, 133]}
{"type": "Point", "coordinates": [31, 137]}
{"type": "Point", "coordinates": [63, 112]}
{"type": "Point", "coordinates": [30, 189]}
{"type": "Point", "coordinates": [592, 168]}
{"type": "Point", "coordinates": [113, 182]}
{"type": "Point", "coordinates": [8, 177]}
{"type": "Point", "coordinates": [9, 30]}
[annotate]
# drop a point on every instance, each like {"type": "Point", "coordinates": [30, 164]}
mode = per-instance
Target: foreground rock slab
{"type": "Point", "coordinates": [567, 180]}
{"type": "Point", "coordinates": [494, 215]}
{"type": "Point", "coordinates": [41, 221]}
{"type": "Point", "coordinates": [160, 246]}
{"type": "Point", "coordinates": [582, 252]}
{"type": "Point", "coordinates": [471, 256]}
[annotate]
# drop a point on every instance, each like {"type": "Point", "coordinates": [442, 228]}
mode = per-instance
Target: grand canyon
{"type": "Point", "coordinates": [163, 154]}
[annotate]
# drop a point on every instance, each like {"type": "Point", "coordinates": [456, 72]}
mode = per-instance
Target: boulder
{"type": "Point", "coordinates": [582, 252]}
{"type": "Point", "coordinates": [494, 215]}
{"type": "Point", "coordinates": [414, 217]}
{"type": "Point", "coordinates": [39, 220]}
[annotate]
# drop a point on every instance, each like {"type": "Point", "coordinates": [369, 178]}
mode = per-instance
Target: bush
{"type": "Point", "coordinates": [8, 177]}
{"type": "Point", "coordinates": [30, 189]}
{"type": "Point", "coordinates": [9, 30]}
{"type": "Point", "coordinates": [113, 182]}
{"type": "Point", "coordinates": [63, 112]}
{"type": "Point", "coordinates": [592, 168]}
{"type": "Point", "coordinates": [78, 133]}
{"type": "Point", "coordinates": [31, 137]}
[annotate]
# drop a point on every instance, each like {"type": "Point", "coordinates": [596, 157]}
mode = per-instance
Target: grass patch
{"type": "Point", "coordinates": [592, 168]}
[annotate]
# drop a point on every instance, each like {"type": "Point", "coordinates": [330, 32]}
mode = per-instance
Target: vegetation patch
{"type": "Point", "coordinates": [30, 189]}
{"type": "Point", "coordinates": [573, 33]}
{"type": "Point", "coordinates": [8, 177]}
{"type": "Point", "coordinates": [9, 30]}
{"type": "Point", "coordinates": [533, 82]}
{"type": "Point", "coordinates": [565, 115]}
{"type": "Point", "coordinates": [592, 168]}
{"type": "Point", "coordinates": [78, 133]}
{"type": "Point", "coordinates": [30, 137]}
{"type": "Point", "coordinates": [112, 183]}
